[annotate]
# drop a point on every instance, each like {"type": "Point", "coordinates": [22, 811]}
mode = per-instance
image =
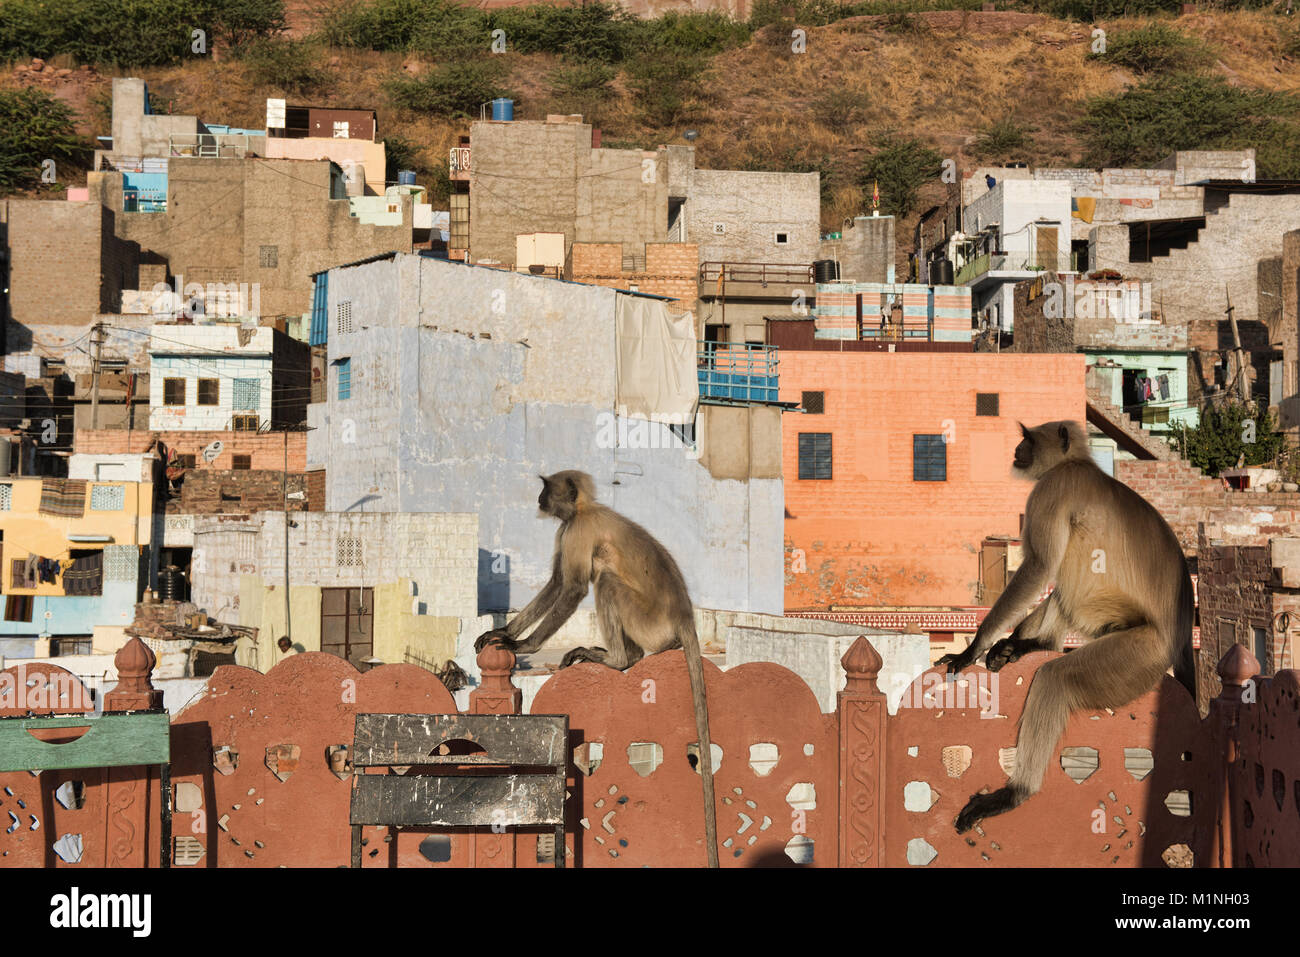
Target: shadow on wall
{"type": "Point", "coordinates": [493, 583]}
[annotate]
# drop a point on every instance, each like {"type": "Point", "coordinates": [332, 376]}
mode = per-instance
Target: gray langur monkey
{"type": "Point", "coordinates": [642, 605]}
{"type": "Point", "coordinates": [1121, 581]}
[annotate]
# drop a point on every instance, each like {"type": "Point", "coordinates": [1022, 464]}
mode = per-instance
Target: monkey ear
{"type": "Point", "coordinates": [1065, 438]}
{"type": "Point", "coordinates": [573, 488]}
{"type": "Point", "coordinates": [1023, 431]}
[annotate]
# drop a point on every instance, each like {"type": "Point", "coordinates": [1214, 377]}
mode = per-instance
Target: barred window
{"type": "Point", "coordinates": [173, 391]}
{"type": "Point", "coordinates": [986, 403]}
{"type": "Point", "coordinates": [343, 315]}
{"type": "Point", "coordinates": [814, 455]}
{"type": "Point", "coordinates": [268, 257]}
{"type": "Point", "coordinates": [209, 392]}
{"type": "Point", "coordinates": [814, 403]}
{"type": "Point", "coordinates": [929, 458]}
{"type": "Point", "coordinates": [6, 497]}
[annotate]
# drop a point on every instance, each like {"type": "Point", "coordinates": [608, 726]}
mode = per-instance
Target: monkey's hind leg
{"type": "Point", "coordinates": [619, 652]}
{"type": "Point", "coordinates": [1108, 673]}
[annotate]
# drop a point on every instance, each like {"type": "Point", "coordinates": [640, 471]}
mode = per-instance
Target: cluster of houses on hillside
{"type": "Point", "coordinates": [258, 400]}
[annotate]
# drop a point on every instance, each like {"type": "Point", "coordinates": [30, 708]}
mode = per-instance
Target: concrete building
{"type": "Point", "coordinates": [450, 388]}
{"type": "Point", "coordinates": [755, 234]}
{"type": "Point", "coordinates": [74, 563]}
{"type": "Point", "coordinates": [350, 138]}
{"type": "Point", "coordinates": [900, 468]}
{"type": "Point", "coordinates": [892, 312]}
{"type": "Point", "coordinates": [1012, 231]}
{"type": "Point", "coordinates": [223, 377]}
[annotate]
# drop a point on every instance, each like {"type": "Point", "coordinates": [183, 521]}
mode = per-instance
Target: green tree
{"type": "Point", "coordinates": [901, 165]}
{"type": "Point", "coordinates": [34, 127]}
{"type": "Point", "coordinates": [1003, 140]}
{"type": "Point", "coordinates": [288, 65]}
{"type": "Point", "coordinates": [1145, 123]}
{"type": "Point", "coordinates": [450, 89]}
{"type": "Point", "coordinates": [1227, 433]}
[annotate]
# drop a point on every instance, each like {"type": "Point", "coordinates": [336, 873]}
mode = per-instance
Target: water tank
{"type": "Point", "coordinates": [503, 109]}
{"type": "Point", "coordinates": [826, 270]}
{"type": "Point", "coordinates": [406, 177]}
{"type": "Point", "coordinates": [942, 272]}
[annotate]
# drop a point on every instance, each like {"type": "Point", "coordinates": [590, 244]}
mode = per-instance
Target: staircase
{"type": "Point", "coordinates": [1116, 424]}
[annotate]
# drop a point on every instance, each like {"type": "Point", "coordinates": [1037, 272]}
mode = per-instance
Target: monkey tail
{"type": "Point", "coordinates": [695, 669]}
{"type": "Point", "coordinates": [1184, 654]}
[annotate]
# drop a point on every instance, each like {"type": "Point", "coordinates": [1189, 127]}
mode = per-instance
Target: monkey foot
{"type": "Point", "coordinates": [1006, 651]}
{"type": "Point", "coordinates": [583, 654]}
{"type": "Point", "coordinates": [981, 806]}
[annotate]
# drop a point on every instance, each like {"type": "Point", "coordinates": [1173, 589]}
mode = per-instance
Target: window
{"type": "Point", "coordinates": [185, 461]}
{"type": "Point", "coordinates": [268, 257]}
{"type": "Point", "coordinates": [241, 463]}
{"type": "Point", "coordinates": [345, 378]}
{"type": "Point", "coordinates": [18, 575]}
{"type": "Point", "coordinates": [719, 229]}
{"type": "Point", "coordinates": [986, 403]}
{"type": "Point", "coordinates": [18, 608]}
{"type": "Point", "coordinates": [814, 455]}
{"type": "Point", "coordinates": [1261, 648]}
{"type": "Point", "coordinates": [244, 423]}
{"type": "Point", "coordinates": [929, 458]}
{"type": "Point", "coordinates": [347, 553]}
{"type": "Point", "coordinates": [343, 316]}
{"type": "Point", "coordinates": [107, 498]}
{"type": "Point", "coordinates": [782, 239]}
{"type": "Point", "coordinates": [814, 403]}
{"type": "Point", "coordinates": [6, 497]}
{"type": "Point", "coordinates": [173, 391]}
{"type": "Point", "coordinates": [247, 394]}
{"type": "Point", "coordinates": [209, 391]}
{"type": "Point", "coordinates": [73, 645]}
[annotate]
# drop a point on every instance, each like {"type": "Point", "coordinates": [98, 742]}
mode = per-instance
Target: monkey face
{"type": "Point", "coordinates": [1024, 456]}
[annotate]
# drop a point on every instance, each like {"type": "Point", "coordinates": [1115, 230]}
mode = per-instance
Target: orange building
{"type": "Point", "coordinates": [892, 487]}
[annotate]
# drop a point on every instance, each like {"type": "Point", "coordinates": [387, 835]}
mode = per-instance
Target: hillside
{"type": "Point", "coordinates": [941, 77]}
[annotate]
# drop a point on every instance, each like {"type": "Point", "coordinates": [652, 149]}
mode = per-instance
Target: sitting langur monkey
{"type": "Point", "coordinates": [1121, 581]}
{"type": "Point", "coordinates": [641, 602]}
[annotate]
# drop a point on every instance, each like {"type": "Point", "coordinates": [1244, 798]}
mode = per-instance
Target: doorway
{"type": "Point", "coordinates": [347, 621]}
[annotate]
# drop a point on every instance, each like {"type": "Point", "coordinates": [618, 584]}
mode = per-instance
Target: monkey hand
{"type": "Point", "coordinates": [956, 662]}
{"type": "Point", "coordinates": [497, 635]}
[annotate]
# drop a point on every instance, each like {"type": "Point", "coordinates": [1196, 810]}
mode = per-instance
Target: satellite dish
{"type": "Point", "coordinates": [213, 451]}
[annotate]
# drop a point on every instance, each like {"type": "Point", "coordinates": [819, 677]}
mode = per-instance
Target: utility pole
{"type": "Point", "coordinates": [97, 344]}
{"type": "Point", "coordinates": [1236, 349]}
{"type": "Point", "coordinates": [288, 627]}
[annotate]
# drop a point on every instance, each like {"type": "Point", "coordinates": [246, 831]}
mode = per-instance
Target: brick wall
{"type": "Point", "coordinates": [1185, 497]}
{"type": "Point", "coordinates": [871, 534]}
{"type": "Point", "coordinates": [266, 449]}
{"type": "Point", "coordinates": [316, 490]}
{"type": "Point", "coordinates": [213, 491]}
{"type": "Point", "coordinates": [671, 269]}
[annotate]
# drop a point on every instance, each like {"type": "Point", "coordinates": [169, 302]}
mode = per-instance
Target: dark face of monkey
{"type": "Point", "coordinates": [1047, 445]}
{"type": "Point", "coordinates": [559, 497]}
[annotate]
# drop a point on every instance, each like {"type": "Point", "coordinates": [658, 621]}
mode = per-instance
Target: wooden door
{"type": "Point", "coordinates": [347, 619]}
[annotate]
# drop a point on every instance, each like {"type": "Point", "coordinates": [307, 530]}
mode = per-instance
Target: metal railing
{"type": "Point", "coordinates": [458, 160]}
{"type": "Point", "coordinates": [135, 200]}
{"type": "Point", "coordinates": [209, 145]}
{"type": "Point", "coordinates": [756, 272]}
{"type": "Point", "coordinates": [738, 372]}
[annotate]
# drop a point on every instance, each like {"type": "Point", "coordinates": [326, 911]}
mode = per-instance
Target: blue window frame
{"type": "Point", "coordinates": [345, 378]}
{"type": "Point", "coordinates": [814, 455]}
{"type": "Point", "coordinates": [929, 458]}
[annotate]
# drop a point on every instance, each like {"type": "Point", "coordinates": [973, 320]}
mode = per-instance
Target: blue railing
{"type": "Point", "coordinates": [738, 372]}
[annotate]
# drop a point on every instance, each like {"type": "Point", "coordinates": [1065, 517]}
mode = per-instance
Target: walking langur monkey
{"type": "Point", "coordinates": [641, 602]}
{"type": "Point", "coordinates": [1121, 581]}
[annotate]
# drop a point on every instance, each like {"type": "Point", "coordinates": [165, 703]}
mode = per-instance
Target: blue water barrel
{"type": "Point", "coordinates": [406, 177]}
{"type": "Point", "coordinates": [503, 109]}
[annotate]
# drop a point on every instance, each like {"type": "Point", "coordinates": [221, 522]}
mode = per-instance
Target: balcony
{"type": "Point", "coordinates": [1001, 267]}
{"type": "Point", "coordinates": [733, 373]}
{"type": "Point", "coordinates": [740, 280]}
{"type": "Point", "coordinates": [211, 145]}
